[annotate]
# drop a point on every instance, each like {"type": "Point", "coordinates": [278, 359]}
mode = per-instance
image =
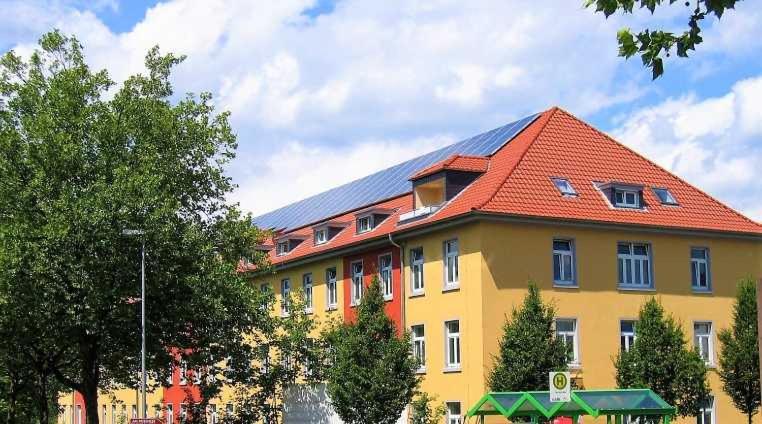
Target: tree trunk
{"type": "Point", "coordinates": [11, 401]}
{"type": "Point", "coordinates": [90, 373]}
{"type": "Point", "coordinates": [90, 395]}
{"type": "Point", "coordinates": [43, 404]}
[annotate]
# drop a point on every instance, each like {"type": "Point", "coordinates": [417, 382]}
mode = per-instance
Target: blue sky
{"type": "Point", "coordinates": [322, 92]}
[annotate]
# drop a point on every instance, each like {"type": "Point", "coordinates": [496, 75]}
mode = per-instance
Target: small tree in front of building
{"type": "Point", "coordinates": [425, 410]}
{"type": "Point", "coordinates": [529, 349]}
{"type": "Point", "coordinates": [739, 356]}
{"type": "Point", "coordinates": [371, 376]}
{"type": "Point", "coordinates": [661, 360]}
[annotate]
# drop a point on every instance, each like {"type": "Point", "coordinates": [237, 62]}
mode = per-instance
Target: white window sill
{"type": "Point", "coordinates": [421, 370]}
{"type": "Point", "coordinates": [388, 298]}
{"type": "Point", "coordinates": [565, 285]}
{"type": "Point", "coordinates": [575, 366]}
{"type": "Point", "coordinates": [417, 294]}
{"type": "Point", "coordinates": [636, 288]}
{"type": "Point", "coordinates": [448, 370]}
{"type": "Point", "coordinates": [453, 287]}
{"type": "Point", "coordinates": [331, 308]}
{"type": "Point", "coordinates": [284, 314]}
{"type": "Point", "coordinates": [308, 311]}
{"type": "Point", "coordinates": [698, 290]}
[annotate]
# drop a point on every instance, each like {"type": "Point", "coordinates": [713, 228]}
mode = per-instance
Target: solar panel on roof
{"type": "Point", "coordinates": [385, 184]}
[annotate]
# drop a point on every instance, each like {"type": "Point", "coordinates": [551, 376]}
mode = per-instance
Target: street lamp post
{"type": "Point", "coordinates": [127, 232]}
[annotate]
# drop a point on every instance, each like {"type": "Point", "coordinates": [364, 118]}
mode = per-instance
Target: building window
{"type": "Point", "coordinates": [700, 269]}
{"type": "Point", "coordinates": [665, 196]}
{"type": "Point", "coordinates": [307, 287]}
{"type": "Point", "coordinates": [357, 287]}
{"type": "Point", "coordinates": [183, 373]}
{"type": "Point", "coordinates": [79, 413]}
{"type": "Point", "coordinates": [321, 236]}
{"type": "Point", "coordinates": [385, 274]}
{"type": "Point", "coordinates": [451, 263]}
{"type": "Point", "coordinates": [702, 340]}
{"type": "Point", "coordinates": [283, 247]}
{"type": "Point", "coordinates": [229, 410]}
{"type": "Point", "coordinates": [170, 414]}
{"type": "Point", "coordinates": [564, 186]}
{"type": "Point", "coordinates": [416, 269]}
{"type": "Point", "coordinates": [453, 413]}
{"type": "Point", "coordinates": [419, 345]}
{"type": "Point", "coordinates": [634, 263]}
{"type": "Point", "coordinates": [626, 198]}
{"type": "Point", "coordinates": [135, 410]}
{"type": "Point", "coordinates": [626, 334]}
{"type": "Point", "coordinates": [183, 413]}
{"type": "Point", "coordinates": [285, 294]}
{"type": "Point", "coordinates": [566, 331]}
{"type": "Point", "coordinates": [364, 223]}
{"type": "Point", "coordinates": [563, 262]}
{"type": "Point", "coordinates": [452, 346]}
{"type": "Point", "coordinates": [212, 413]}
{"type": "Point", "coordinates": [707, 412]}
{"type": "Point", "coordinates": [332, 291]}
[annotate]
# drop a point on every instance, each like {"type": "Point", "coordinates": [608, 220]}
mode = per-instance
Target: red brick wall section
{"type": "Point", "coordinates": [370, 269]}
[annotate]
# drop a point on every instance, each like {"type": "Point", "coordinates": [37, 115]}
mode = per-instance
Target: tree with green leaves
{"type": "Point", "coordinates": [372, 374]}
{"type": "Point", "coordinates": [661, 360]}
{"type": "Point", "coordinates": [529, 348]}
{"type": "Point", "coordinates": [424, 411]}
{"type": "Point", "coordinates": [82, 160]}
{"type": "Point", "coordinates": [739, 354]}
{"type": "Point", "coordinates": [654, 45]}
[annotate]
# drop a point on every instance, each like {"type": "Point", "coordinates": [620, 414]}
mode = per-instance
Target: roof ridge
{"type": "Point", "coordinates": [552, 111]}
{"type": "Point", "coordinates": [654, 164]}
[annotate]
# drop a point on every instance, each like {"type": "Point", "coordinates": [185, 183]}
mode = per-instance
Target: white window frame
{"type": "Point", "coordinates": [212, 413]}
{"type": "Point", "coordinates": [285, 292]}
{"type": "Point", "coordinates": [321, 236]}
{"type": "Point", "coordinates": [418, 285]}
{"type": "Point", "coordinates": [78, 412]}
{"type": "Point", "coordinates": [307, 286]}
{"type": "Point", "coordinates": [283, 247]}
{"type": "Point", "coordinates": [452, 341]}
{"type": "Point", "coordinates": [364, 219]}
{"type": "Point", "coordinates": [229, 409]}
{"type": "Point", "coordinates": [183, 412]}
{"type": "Point", "coordinates": [332, 289]}
{"type": "Point", "coordinates": [419, 345]}
{"type": "Point", "coordinates": [574, 361]}
{"type": "Point", "coordinates": [113, 413]}
{"type": "Point", "coordinates": [712, 413]}
{"type": "Point", "coordinates": [709, 337]}
{"type": "Point", "coordinates": [564, 186]}
{"type": "Point", "coordinates": [561, 254]}
{"type": "Point", "coordinates": [134, 411]}
{"type": "Point", "coordinates": [645, 263]}
{"type": "Point", "coordinates": [170, 414]}
{"type": "Point", "coordinates": [451, 259]}
{"type": "Point", "coordinates": [453, 418]}
{"type": "Point", "coordinates": [696, 265]}
{"type": "Point", "coordinates": [357, 286]}
{"type": "Point", "coordinates": [626, 203]}
{"type": "Point", "coordinates": [387, 283]}
{"type": "Point", "coordinates": [626, 338]}
{"type": "Point", "coordinates": [183, 373]}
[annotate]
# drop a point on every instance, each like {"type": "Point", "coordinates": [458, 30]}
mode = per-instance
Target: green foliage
{"type": "Point", "coordinates": [739, 355]}
{"type": "Point", "coordinates": [529, 349]}
{"type": "Point", "coordinates": [660, 360]}
{"type": "Point", "coordinates": [422, 410]}
{"type": "Point", "coordinates": [372, 374]}
{"type": "Point", "coordinates": [82, 159]}
{"type": "Point", "coordinates": [654, 45]}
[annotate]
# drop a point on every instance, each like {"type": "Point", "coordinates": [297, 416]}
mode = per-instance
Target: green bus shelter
{"type": "Point", "coordinates": [614, 404]}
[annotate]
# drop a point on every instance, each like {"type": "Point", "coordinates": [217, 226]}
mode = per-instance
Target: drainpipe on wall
{"type": "Point", "coordinates": [402, 282]}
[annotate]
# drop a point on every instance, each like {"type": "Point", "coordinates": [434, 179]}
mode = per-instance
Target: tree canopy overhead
{"type": "Point", "coordinates": [82, 159]}
{"type": "Point", "coordinates": [654, 45]}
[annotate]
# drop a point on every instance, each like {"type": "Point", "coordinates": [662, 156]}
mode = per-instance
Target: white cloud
{"type": "Point", "coordinates": [714, 143]}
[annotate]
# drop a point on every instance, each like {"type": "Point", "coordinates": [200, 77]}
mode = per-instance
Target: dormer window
{"type": "Point", "coordinates": [626, 198]}
{"type": "Point", "coordinates": [326, 231]}
{"type": "Point", "coordinates": [564, 186]}
{"type": "Point", "coordinates": [321, 236]}
{"type": "Point", "coordinates": [665, 196]}
{"type": "Point", "coordinates": [364, 224]}
{"type": "Point", "coordinates": [288, 243]}
{"type": "Point", "coordinates": [283, 247]}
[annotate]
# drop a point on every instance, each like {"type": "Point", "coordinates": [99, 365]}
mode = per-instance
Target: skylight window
{"type": "Point", "coordinates": [564, 186]}
{"type": "Point", "coordinates": [665, 196]}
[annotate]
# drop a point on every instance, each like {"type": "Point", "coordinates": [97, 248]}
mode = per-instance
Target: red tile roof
{"type": "Point", "coordinates": [478, 164]}
{"type": "Point", "coordinates": [517, 182]}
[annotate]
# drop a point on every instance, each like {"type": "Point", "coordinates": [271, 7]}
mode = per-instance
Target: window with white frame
{"type": "Point", "coordinates": [183, 373]}
{"type": "Point", "coordinates": [264, 288]}
{"type": "Point", "coordinates": [700, 269]}
{"type": "Point", "coordinates": [78, 414]}
{"type": "Point", "coordinates": [285, 295]}
{"type": "Point", "coordinates": [702, 340]}
{"type": "Point", "coordinates": [563, 262]}
{"type": "Point", "coordinates": [385, 274]}
{"type": "Point", "coordinates": [307, 288]}
{"type": "Point", "coordinates": [451, 263]}
{"type": "Point", "coordinates": [564, 186]}
{"type": "Point", "coordinates": [416, 270]}
{"type": "Point", "coordinates": [183, 412]}
{"type": "Point", "coordinates": [626, 334]}
{"type": "Point", "coordinates": [283, 247]}
{"type": "Point", "coordinates": [566, 331]}
{"type": "Point", "coordinates": [419, 345]}
{"type": "Point", "coordinates": [321, 236]}
{"type": "Point", "coordinates": [707, 412]}
{"type": "Point", "coordinates": [212, 413]}
{"type": "Point", "coordinates": [229, 410]}
{"type": "Point", "coordinates": [626, 198]}
{"type": "Point", "coordinates": [452, 344]}
{"type": "Point", "coordinates": [364, 223]}
{"type": "Point", "coordinates": [634, 265]}
{"type": "Point", "coordinates": [357, 278]}
{"type": "Point", "coordinates": [170, 415]}
{"type": "Point", "coordinates": [332, 289]}
{"type": "Point", "coordinates": [113, 414]}
{"type": "Point", "coordinates": [453, 413]}
{"type": "Point", "coordinates": [135, 411]}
